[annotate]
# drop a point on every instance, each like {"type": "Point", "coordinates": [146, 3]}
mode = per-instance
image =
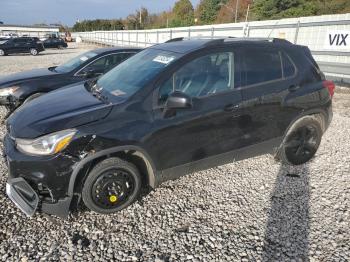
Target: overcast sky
{"type": "Point", "coordinates": [68, 11]}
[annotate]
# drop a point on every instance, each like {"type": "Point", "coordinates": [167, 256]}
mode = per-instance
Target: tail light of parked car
{"type": "Point", "coordinates": [330, 86]}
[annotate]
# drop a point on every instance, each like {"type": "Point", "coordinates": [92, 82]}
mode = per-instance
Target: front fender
{"type": "Point", "coordinates": [152, 176]}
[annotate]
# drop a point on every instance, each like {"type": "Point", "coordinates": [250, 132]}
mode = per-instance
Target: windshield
{"type": "Point", "coordinates": [75, 62]}
{"type": "Point", "coordinates": [134, 73]}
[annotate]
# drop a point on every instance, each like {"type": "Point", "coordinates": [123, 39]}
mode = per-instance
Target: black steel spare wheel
{"type": "Point", "coordinates": [111, 186]}
{"type": "Point", "coordinates": [301, 142]}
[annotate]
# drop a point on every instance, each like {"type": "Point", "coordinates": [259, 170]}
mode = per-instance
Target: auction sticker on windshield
{"type": "Point", "coordinates": [164, 59]}
{"type": "Point", "coordinates": [118, 93]}
{"type": "Point", "coordinates": [84, 58]}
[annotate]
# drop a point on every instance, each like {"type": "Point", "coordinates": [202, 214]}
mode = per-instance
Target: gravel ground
{"type": "Point", "coordinates": [252, 210]}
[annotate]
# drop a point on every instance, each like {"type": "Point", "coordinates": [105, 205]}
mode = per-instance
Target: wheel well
{"type": "Point", "coordinates": [132, 156]}
{"type": "Point", "coordinates": [320, 117]}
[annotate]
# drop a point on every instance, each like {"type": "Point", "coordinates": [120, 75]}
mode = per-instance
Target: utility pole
{"type": "Point", "coordinates": [237, 7]}
{"type": "Point", "coordinates": [140, 16]}
{"type": "Point", "coordinates": [247, 15]}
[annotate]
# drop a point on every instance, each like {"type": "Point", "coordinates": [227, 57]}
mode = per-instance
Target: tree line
{"type": "Point", "coordinates": [184, 13]}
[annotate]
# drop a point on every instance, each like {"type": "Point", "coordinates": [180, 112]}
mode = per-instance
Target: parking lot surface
{"type": "Point", "coordinates": [250, 210]}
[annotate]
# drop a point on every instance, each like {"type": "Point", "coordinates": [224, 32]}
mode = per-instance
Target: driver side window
{"type": "Point", "coordinates": [206, 75]}
{"type": "Point", "coordinates": [97, 66]}
{"type": "Point", "coordinates": [106, 63]}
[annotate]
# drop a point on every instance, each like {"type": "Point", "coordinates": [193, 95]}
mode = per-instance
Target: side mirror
{"type": "Point", "coordinates": [178, 100]}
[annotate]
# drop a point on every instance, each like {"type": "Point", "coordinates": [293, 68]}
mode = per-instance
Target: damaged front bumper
{"type": "Point", "coordinates": [38, 183]}
{"type": "Point", "coordinates": [23, 195]}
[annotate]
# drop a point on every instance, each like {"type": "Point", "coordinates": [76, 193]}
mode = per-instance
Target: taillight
{"type": "Point", "coordinates": [330, 86]}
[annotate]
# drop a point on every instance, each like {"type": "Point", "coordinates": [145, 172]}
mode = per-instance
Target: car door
{"type": "Point", "coordinates": [19, 45]}
{"type": "Point", "coordinates": [211, 127]}
{"type": "Point", "coordinates": [48, 43]}
{"type": "Point", "coordinates": [267, 78]}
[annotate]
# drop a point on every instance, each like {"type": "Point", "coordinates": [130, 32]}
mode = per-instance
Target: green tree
{"type": "Point", "coordinates": [183, 14]}
{"type": "Point", "coordinates": [276, 9]}
{"type": "Point", "coordinates": [98, 24]}
{"type": "Point", "coordinates": [137, 20]}
{"type": "Point", "coordinates": [207, 10]}
{"type": "Point", "coordinates": [334, 6]}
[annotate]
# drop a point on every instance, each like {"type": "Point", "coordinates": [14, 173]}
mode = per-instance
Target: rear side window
{"type": "Point", "coordinates": [288, 66]}
{"type": "Point", "coordinates": [20, 40]}
{"type": "Point", "coordinates": [261, 66]}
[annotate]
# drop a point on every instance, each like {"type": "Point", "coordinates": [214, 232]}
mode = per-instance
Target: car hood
{"type": "Point", "coordinates": [26, 75]}
{"type": "Point", "coordinates": [62, 109]}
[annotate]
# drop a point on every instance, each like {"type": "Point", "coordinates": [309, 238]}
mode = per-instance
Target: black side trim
{"type": "Point", "coordinates": [265, 147]}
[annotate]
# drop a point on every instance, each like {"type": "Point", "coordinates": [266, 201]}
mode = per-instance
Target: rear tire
{"type": "Point", "coordinates": [301, 142]}
{"type": "Point", "coordinates": [60, 47]}
{"type": "Point", "coordinates": [33, 52]}
{"type": "Point", "coordinates": [111, 186]}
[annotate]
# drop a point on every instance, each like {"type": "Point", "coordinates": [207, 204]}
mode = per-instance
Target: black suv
{"type": "Point", "coordinates": [172, 109]}
{"type": "Point", "coordinates": [22, 87]}
{"type": "Point", "coordinates": [54, 42]}
{"type": "Point", "coordinates": [18, 45]}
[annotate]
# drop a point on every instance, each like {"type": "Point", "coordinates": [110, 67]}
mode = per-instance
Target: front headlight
{"type": "Point", "coordinates": [46, 145]}
{"type": "Point", "coordinates": [8, 90]}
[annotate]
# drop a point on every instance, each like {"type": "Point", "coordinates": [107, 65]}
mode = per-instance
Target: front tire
{"type": "Point", "coordinates": [2, 52]}
{"type": "Point", "coordinates": [301, 142]}
{"type": "Point", "coordinates": [33, 52]}
{"type": "Point", "coordinates": [111, 186]}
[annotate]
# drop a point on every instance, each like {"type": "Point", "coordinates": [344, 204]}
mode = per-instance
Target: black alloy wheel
{"type": "Point", "coordinates": [302, 144]}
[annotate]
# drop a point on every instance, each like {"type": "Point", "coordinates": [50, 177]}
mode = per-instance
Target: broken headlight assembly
{"type": "Point", "coordinates": [46, 145]}
{"type": "Point", "coordinates": [8, 90]}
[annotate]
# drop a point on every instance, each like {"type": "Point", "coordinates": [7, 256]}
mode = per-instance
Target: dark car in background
{"type": "Point", "coordinates": [22, 87]}
{"type": "Point", "coordinates": [170, 110]}
{"type": "Point", "coordinates": [19, 45]}
{"type": "Point", "coordinates": [54, 43]}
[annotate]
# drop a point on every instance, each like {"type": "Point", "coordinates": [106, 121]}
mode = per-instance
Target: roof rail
{"type": "Point", "coordinates": [218, 39]}
{"type": "Point", "coordinates": [196, 38]}
{"type": "Point", "coordinates": [175, 39]}
{"type": "Point", "coordinates": [266, 39]}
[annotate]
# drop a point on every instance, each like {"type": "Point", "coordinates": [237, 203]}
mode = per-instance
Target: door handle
{"type": "Point", "coordinates": [293, 88]}
{"type": "Point", "coordinates": [231, 107]}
